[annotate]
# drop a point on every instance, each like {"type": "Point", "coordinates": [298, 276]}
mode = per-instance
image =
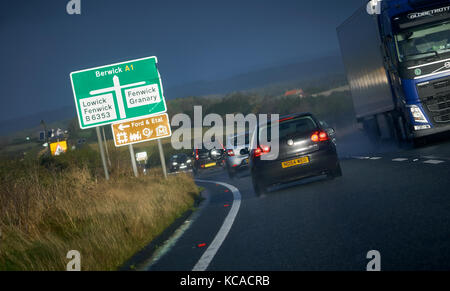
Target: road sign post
{"type": "Point", "coordinates": [163, 160]}
{"type": "Point", "coordinates": [119, 92]}
{"type": "Point", "coordinates": [133, 160]}
{"type": "Point", "coordinates": [102, 152]}
{"type": "Point", "coordinates": [141, 130]}
{"type": "Point", "coordinates": [106, 147]}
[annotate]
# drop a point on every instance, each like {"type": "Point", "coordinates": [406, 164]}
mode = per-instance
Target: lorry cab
{"type": "Point", "coordinates": [406, 83]}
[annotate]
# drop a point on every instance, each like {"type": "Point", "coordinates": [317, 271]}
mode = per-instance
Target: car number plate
{"type": "Point", "coordinates": [210, 165]}
{"type": "Point", "coordinates": [291, 163]}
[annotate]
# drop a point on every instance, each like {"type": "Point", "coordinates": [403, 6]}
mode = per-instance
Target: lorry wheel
{"type": "Point", "coordinates": [402, 131]}
{"type": "Point", "coordinates": [419, 142]}
{"type": "Point", "coordinates": [371, 130]}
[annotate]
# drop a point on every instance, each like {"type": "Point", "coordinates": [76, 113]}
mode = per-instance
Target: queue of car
{"type": "Point", "coordinates": [306, 148]}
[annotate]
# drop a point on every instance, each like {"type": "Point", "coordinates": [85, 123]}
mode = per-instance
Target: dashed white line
{"type": "Point", "coordinates": [399, 159]}
{"type": "Point", "coordinates": [209, 254]}
{"type": "Point", "coordinates": [433, 162]}
{"type": "Point", "coordinates": [430, 161]}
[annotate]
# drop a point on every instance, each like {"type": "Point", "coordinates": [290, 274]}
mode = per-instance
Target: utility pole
{"type": "Point", "coordinates": [46, 136]}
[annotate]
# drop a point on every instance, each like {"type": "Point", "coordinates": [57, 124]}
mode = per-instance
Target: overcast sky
{"type": "Point", "coordinates": [40, 44]}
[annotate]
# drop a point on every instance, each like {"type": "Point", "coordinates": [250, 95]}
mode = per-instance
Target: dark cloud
{"type": "Point", "coordinates": [194, 40]}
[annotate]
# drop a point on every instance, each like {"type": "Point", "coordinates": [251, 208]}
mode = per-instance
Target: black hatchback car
{"type": "Point", "coordinates": [306, 148]}
{"type": "Point", "coordinates": [208, 158]}
{"type": "Point", "coordinates": [180, 163]}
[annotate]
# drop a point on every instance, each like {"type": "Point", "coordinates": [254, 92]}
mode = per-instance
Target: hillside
{"type": "Point", "coordinates": [301, 71]}
{"type": "Point", "coordinates": [314, 75]}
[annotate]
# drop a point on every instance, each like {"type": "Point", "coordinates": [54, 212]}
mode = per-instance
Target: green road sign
{"type": "Point", "coordinates": [118, 92]}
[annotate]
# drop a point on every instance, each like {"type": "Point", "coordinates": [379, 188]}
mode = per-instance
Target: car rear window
{"type": "Point", "coordinates": [299, 125]}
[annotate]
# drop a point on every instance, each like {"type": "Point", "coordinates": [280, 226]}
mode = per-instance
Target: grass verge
{"type": "Point", "coordinates": [53, 205]}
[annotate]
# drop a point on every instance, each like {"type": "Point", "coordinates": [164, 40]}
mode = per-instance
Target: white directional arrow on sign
{"type": "Point", "coordinates": [118, 89]}
{"type": "Point", "coordinates": [122, 127]}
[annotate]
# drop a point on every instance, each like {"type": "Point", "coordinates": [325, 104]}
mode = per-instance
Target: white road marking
{"type": "Point", "coordinates": [376, 158]}
{"type": "Point", "coordinates": [170, 243]}
{"type": "Point", "coordinates": [361, 158]}
{"type": "Point", "coordinates": [399, 160]}
{"type": "Point", "coordinates": [209, 254]}
{"type": "Point", "coordinates": [433, 162]}
{"type": "Point", "coordinates": [436, 158]}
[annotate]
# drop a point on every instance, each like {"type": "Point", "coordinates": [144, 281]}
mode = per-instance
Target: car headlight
{"type": "Point", "coordinates": [188, 161]}
{"type": "Point", "coordinates": [417, 114]}
{"type": "Point", "coordinates": [174, 163]}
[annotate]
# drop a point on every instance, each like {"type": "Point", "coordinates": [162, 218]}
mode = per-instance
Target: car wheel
{"type": "Point", "coordinates": [258, 187]}
{"type": "Point", "coordinates": [336, 172]}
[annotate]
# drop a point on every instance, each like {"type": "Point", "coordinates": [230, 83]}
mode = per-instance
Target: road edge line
{"type": "Point", "coordinates": [221, 235]}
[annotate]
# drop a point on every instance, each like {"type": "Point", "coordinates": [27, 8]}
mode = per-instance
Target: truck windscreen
{"type": "Point", "coordinates": [423, 41]}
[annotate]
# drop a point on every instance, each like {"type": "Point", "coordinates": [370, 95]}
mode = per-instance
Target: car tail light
{"type": "Point", "coordinates": [261, 150]}
{"type": "Point", "coordinates": [319, 136]}
{"type": "Point", "coordinates": [230, 153]}
{"type": "Point", "coordinates": [196, 154]}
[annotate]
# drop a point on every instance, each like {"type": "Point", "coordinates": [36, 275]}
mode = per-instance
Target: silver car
{"type": "Point", "coordinates": [237, 153]}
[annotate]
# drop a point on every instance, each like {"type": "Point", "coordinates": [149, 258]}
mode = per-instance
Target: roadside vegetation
{"type": "Point", "coordinates": [335, 108]}
{"type": "Point", "coordinates": [51, 205]}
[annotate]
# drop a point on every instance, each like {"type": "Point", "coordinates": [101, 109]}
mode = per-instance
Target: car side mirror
{"type": "Point", "coordinates": [331, 131]}
{"type": "Point", "coordinates": [244, 151]}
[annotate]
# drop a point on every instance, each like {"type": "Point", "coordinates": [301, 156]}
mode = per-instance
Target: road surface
{"type": "Point", "coordinates": [396, 202]}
